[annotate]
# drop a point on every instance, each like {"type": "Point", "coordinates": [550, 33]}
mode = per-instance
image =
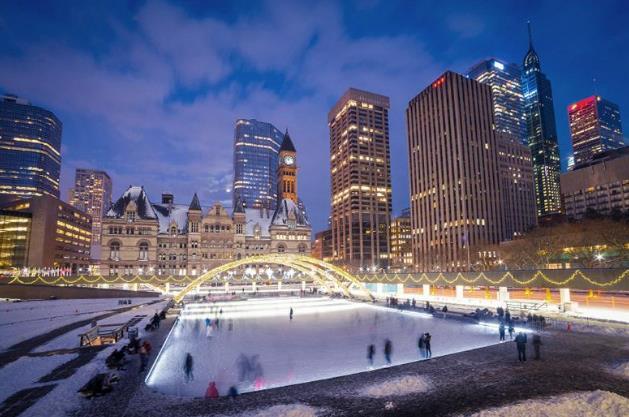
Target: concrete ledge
{"type": "Point", "coordinates": [39, 292]}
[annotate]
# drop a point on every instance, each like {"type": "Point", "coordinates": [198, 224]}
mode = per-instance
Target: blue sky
{"type": "Point", "coordinates": [149, 91]}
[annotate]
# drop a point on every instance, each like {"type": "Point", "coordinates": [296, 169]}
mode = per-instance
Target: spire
{"type": "Point", "coordinates": [195, 204]}
{"type": "Point", "coordinates": [530, 35]}
{"type": "Point", "coordinates": [287, 143]}
{"type": "Point", "coordinates": [531, 60]}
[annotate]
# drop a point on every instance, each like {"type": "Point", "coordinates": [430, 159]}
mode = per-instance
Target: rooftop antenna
{"type": "Point", "coordinates": [530, 34]}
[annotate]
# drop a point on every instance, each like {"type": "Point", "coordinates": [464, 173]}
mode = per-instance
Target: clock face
{"type": "Point", "coordinates": [289, 160]}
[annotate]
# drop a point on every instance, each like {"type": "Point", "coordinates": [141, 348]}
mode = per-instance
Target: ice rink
{"type": "Point", "coordinates": [326, 338]}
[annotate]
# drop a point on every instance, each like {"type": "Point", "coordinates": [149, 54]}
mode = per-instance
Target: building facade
{"type": "Point", "coordinates": [59, 237]}
{"type": "Point", "coordinates": [505, 80]}
{"type": "Point", "coordinates": [401, 240]}
{"type": "Point", "coordinates": [602, 184]}
{"type": "Point", "coordinates": [256, 149]}
{"type": "Point", "coordinates": [15, 232]}
{"type": "Point", "coordinates": [140, 237]}
{"type": "Point", "coordinates": [322, 245]}
{"type": "Point", "coordinates": [595, 127]}
{"type": "Point", "coordinates": [92, 194]}
{"type": "Point", "coordinates": [541, 133]}
{"type": "Point", "coordinates": [516, 185]}
{"type": "Point", "coordinates": [30, 150]}
{"type": "Point", "coordinates": [360, 179]}
{"type": "Point", "coordinates": [454, 173]}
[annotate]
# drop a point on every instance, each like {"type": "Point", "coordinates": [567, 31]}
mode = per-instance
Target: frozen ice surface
{"type": "Point", "coordinates": [320, 342]}
{"type": "Point", "coordinates": [579, 404]}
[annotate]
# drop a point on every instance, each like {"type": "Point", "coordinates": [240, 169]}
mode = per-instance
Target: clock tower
{"type": "Point", "coordinates": [287, 171]}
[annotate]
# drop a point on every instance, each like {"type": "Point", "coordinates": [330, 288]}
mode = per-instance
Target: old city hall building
{"type": "Point", "coordinates": [141, 237]}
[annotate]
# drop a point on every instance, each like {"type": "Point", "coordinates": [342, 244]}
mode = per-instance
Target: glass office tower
{"type": "Point", "coordinates": [256, 149]}
{"type": "Point", "coordinates": [30, 150]}
{"type": "Point", "coordinates": [595, 127]}
{"type": "Point", "coordinates": [506, 88]}
{"type": "Point", "coordinates": [541, 133]}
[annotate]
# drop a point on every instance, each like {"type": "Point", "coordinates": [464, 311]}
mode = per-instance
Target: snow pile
{"type": "Point", "coordinates": [283, 410]}
{"type": "Point", "coordinates": [409, 384]}
{"type": "Point", "coordinates": [578, 404]}
{"type": "Point", "coordinates": [621, 370]}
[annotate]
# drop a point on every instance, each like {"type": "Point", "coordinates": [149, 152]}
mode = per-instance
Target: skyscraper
{"type": "Point", "coordinates": [541, 133]}
{"type": "Point", "coordinates": [506, 88]}
{"type": "Point", "coordinates": [92, 194]}
{"type": "Point", "coordinates": [454, 173]}
{"type": "Point", "coordinates": [30, 150]}
{"type": "Point", "coordinates": [256, 147]}
{"type": "Point", "coordinates": [361, 178]}
{"type": "Point", "coordinates": [595, 127]}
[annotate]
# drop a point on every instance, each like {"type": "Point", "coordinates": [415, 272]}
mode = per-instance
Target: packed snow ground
{"type": "Point", "coordinates": [323, 340]}
{"type": "Point", "coordinates": [409, 384]}
{"type": "Point", "coordinates": [580, 404]}
{"type": "Point", "coordinates": [21, 321]}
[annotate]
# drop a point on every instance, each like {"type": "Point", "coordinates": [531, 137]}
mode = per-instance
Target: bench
{"type": "Point", "coordinates": [106, 334]}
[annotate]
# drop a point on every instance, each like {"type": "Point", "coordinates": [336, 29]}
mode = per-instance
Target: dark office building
{"type": "Point", "coordinates": [30, 150]}
{"type": "Point", "coordinates": [542, 133]}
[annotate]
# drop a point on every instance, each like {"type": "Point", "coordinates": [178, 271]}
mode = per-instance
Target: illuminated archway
{"type": "Point", "coordinates": [325, 274]}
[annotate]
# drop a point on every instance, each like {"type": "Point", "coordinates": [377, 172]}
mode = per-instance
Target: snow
{"type": "Point", "coordinates": [27, 370]}
{"type": "Point", "coordinates": [64, 399]}
{"type": "Point", "coordinates": [283, 410]}
{"type": "Point", "coordinates": [621, 370]}
{"type": "Point", "coordinates": [409, 384]}
{"type": "Point", "coordinates": [320, 342]}
{"type": "Point", "coordinates": [21, 321]}
{"type": "Point", "coordinates": [261, 217]}
{"type": "Point", "coordinates": [167, 213]}
{"type": "Point", "coordinates": [579, 404]}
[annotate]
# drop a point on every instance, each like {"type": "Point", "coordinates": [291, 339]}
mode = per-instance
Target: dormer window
{"type": "Point", "coordinates": [173, 230]}
{"type": "Point", "coordinates": [130, 215]}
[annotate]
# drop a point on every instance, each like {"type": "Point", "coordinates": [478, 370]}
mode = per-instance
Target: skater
{"type": "Point", "coordinates": [208, 331]}
{"type": "Point", "coordinates": [537, 342]}
{"type": "Point", "coordinates": [371, 351]}
{"type": "Point", "coordinates": [520, 341]}
{"type": "Point", "coordinates": [507, 315]}
{"type": "Point", "coordinates": [421, 346]}
{"type": "Point", "coordinates": [211, 391]}
{"type": "Point", "coordinates": [388, 347]}
{"type": "Point", "coordinates": [230, 325]}
{"type": "Point", "coordinates": [501, 331]}
{"type": "Point", "coordinates": [208, 322]}
{"type": "Point", "coordinates": [244, 367]}
{"type": "Point", "coordinates": [427, 338]}
{"type": "Point", "coordinates": [511, 330]}
{"type": "Point", "coordinates": [444, 310]}
{"type": "Point", "coordinates": [290, 314]}
{"type": "Point", "coordinates": [233, 391]}
{"type": "Point", "coordinates": [187, 367]}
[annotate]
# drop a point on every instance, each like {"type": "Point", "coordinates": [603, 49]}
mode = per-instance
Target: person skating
{"type": "Point", "coordinates": [371, 351]}
{"type": "Point", "coordinates": [187, 367]}
{"type": "Point", "coordinates": [211, 391]}
{"type": "Point", "coordinates": [290, 314]}
{"type": "Point", "coordinates": [388, 348]}
{"type": "Point", "coordinates": [501, 331]}
{"type": "Point", "coordinates": [427, 339]}
{"type": "Point", "coordinates": [537, 342]}
{"type": "Point", "coordinates": [421, 346]}
{"type": "Point", "coordinates": [507, 315]}
{"type": "Point", "coordinates": [511, 330]}
{"type": "Point", "coordinates": [520, 341]}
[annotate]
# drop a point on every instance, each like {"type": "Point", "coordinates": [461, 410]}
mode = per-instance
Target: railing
{"type": "Point", "coordinates": [526, 305]}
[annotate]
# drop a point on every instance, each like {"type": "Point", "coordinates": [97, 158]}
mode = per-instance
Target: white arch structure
{"type": "Point", "coordinates": [323, 273]}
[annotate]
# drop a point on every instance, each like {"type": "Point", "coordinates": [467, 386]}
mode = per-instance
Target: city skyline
{"type": "Point", "coordinates": [108, 133]}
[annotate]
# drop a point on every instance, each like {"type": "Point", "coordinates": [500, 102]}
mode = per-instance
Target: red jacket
{"type": "Point", "coordinates": [211, 391]}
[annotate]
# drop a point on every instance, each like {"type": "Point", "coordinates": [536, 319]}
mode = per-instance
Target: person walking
{"type": "Point", "coordinates": [421, 346]}
{"type": "Point", "coordinates": [371, 351]}
{"type": "Point", "coordinates": [388, 348]}
{"type": "Point", "coordinates": [501, 331]}
{"type": "Point", "coordinates": [427, 339]}
{"type": "Point", "coordinates": [520, 341]}
{"type": "Point", "coordinates": [188, 365]}
{"type": "Point", "coordinates": [537, 342]}
{"type": "Point", "coordinates": [511, 330]}
{"type": "Point", "coordinates": [144, 357]}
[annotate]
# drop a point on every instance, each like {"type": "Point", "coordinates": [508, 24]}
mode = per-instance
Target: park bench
{"type": "Point", "coordinates": [105, 334]}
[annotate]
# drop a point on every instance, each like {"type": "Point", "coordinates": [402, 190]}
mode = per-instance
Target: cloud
{"type": "Point", "coordinates": [465, 25]}
{"type": "Point", "coordinates": [157, 107]}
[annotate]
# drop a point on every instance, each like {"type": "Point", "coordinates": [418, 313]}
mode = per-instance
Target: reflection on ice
{"type": "Point", "coordinates": [252, 345]}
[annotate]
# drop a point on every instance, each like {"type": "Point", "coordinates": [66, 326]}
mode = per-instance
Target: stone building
{"type": "Point", "coordinates": [140, 237]}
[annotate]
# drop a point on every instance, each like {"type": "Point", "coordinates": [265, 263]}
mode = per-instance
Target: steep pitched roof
{"type": "Point", "coordinates": [141, 200]}
{"type": "Point", "coordinates": [167, 213]}
{"type": "Point", "coordinates": [289, 210]}
{"type": "Point", "coordinates": [195, 204]}
{"type": "Point", "coordinates": [287, 143]}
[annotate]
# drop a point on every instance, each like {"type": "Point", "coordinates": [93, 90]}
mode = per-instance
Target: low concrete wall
{"type": "Point", "coordinates": [33, 292]}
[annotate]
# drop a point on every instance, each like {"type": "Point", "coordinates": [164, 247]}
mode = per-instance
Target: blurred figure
{"type": "Point", "coordinates": [511, 330]}
{"type": "Point", "coordinates": [421, 345]}
{"type": "Point", "coordinates": [427, 339]}
{"type": "Point", "coordinates": [520, 341]}
{"type": "Point", "coordinates": [371, 351]}
{"type": "Point", "coordinates": [537, 343]}
{"type": "Point", "coordinates": [501, 331]}
{"type": "Point", "coordinates": [244, 367]}
{"type": "Point", "coordinates": [211, 391]}
{"type": "Point", "coordinates": [290, 315]}
{"type": "Point", "coordinates": [388, 349]}
{"type": "Point", "coordinates": [187, 367]}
